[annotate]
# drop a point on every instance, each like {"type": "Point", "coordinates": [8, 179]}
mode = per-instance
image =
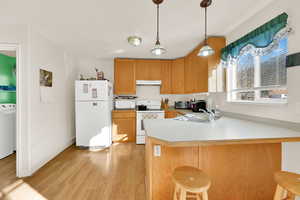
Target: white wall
{"type": "Point", "coordinates": [18, 34]}
{"type": "Point", "coordinates": [47, 128]}
{"type": "Point", "coordinates": [51, 109]}
{"type": "Point", "coordinates": [87, 67]}
{"type": "Point", "coordinates": [288, 112]}
{"type": "Point", "coordinates": [153, 93]}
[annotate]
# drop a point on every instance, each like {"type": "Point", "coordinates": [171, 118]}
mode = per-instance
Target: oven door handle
{"type": "Point", "coordinates": [142, 125]}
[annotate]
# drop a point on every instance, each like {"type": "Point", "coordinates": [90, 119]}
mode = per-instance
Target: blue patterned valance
{"type": "Point", "coordinates": [260, 37]}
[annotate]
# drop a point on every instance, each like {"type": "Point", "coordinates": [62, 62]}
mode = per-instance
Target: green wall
{"type": "Point", "coordinates": [7, 79]}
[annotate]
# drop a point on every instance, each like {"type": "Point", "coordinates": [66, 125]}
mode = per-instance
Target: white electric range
{"type": "Point", "coordinates": [153, 111]}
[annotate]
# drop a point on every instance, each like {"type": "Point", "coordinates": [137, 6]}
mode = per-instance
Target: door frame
{"type": "Point", "coordinates": [19, 150]}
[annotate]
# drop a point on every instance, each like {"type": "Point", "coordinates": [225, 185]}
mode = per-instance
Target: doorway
{"type": "Point", "coordinates": [9, 64]}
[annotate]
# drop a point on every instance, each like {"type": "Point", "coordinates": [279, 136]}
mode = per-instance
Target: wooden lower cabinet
{"type": "Point", "coordinates": [124, 126]}
{"type": "Point", "coordinates": [171, 114]}
{"type": "Point", "coordinates": [238, 172]}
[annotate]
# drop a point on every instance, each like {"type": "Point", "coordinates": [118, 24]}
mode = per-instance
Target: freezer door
{"type": "Point", "coordinates": [93, 124]}
{"type": "Point", "coordinates": [93, 90]}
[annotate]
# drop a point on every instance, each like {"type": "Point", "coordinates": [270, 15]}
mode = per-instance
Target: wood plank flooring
{"type": "Point", "coordinates": [117, 173]}
{"type": "Point", "coordinates": [7, 170]}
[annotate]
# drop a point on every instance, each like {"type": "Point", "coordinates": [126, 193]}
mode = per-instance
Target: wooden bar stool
{"type": "Point", "coordinates": [288, 186]}
{"type": "Point", "coordinates": [190, 182]}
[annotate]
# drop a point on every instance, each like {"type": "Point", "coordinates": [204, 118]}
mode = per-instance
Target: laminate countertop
{"type": "Point", "coordinates": [226, 130]}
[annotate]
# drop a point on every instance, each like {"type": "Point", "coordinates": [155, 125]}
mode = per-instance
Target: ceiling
{"type": "Point", "coordinates": [99, 28]}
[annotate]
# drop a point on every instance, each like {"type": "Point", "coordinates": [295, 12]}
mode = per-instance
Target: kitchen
{"type": "Point", "coordinates": [149, 90]}
{"type": "Point", "coordinates": [160, 100]}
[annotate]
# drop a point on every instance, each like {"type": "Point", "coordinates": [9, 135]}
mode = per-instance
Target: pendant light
{"type": "Point", "coordinates": [206, 50]}
{"type": "Point", "coordinates": [158, 49]}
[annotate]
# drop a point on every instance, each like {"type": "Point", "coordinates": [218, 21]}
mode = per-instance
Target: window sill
{"type": "Point", "coordinates": [259, 102]}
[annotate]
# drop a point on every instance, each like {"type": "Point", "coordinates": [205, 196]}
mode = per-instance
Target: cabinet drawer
{"type": "Point", "coordinates": [123, 114]}
{"type": "Point", "coordinates": [171, 114]}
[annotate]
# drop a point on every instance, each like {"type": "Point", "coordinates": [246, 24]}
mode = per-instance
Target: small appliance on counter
{"type": "Point", "coordinates": [141, 107]}
{"type": "Point", "coordinates": [125, 102]}
{"type": "Point", "coordinates": [198, 105]}
{"type": "Point", "coordinates": [182, 105]}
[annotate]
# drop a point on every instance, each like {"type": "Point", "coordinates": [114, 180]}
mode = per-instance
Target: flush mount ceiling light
{"type": "Point", "coordinates": [206, 50]}
{"type": "Point", "coordinates": [158, 49]}
{"type": "Point", "coordinates": [134, 40]}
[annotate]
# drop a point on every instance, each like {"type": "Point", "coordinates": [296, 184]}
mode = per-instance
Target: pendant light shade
{"type": "Point", "coordinates": [206, 50]}
{"type": "Point", "coordinates": [158, 50]}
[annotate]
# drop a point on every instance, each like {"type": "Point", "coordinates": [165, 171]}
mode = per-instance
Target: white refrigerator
{"type": "Point", "coordinates": [93, 113]}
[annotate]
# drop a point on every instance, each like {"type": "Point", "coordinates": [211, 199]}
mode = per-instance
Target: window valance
{"type": "Point", "coordinates": [261, 37]}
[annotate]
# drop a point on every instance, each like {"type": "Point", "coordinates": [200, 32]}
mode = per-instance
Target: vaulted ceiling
{"type": "Point", "coordinates": [100, 28]}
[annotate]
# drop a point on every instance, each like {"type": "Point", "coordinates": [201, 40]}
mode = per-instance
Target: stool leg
{"type": "Point", "coordinates": [175, 193]}
{"type": "Point", "coordinates": [204, 195]}
{"type": "Point", "coordinates": [182, 194]}
{"type": "Point", "coordinates": [292, 196]}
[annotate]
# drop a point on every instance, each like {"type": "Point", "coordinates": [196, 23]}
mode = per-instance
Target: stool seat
{"type": "Point", "coordinates": [289, 181]}
{"type": "Point", "coordinates": [191, 179]}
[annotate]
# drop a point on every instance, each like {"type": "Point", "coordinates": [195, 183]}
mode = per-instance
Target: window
{"type": "Point", "coordinates": [259, 75]}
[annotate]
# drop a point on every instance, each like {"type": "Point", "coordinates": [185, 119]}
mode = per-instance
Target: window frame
{"type": "Point", "coordinates": [231, 83]}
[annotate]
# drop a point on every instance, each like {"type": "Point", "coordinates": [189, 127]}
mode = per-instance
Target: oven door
{"type": "Point", "coordinates": [140, 130]}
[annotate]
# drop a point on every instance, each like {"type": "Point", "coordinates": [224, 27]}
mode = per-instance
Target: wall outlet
{"type": "Point", "coordinates": [157, 150]}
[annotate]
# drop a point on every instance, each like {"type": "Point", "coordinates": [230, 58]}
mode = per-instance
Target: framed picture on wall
{"type": "Point", "coordinates": [46, 78]}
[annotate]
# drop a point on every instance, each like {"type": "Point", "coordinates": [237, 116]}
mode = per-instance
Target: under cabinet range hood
{"type": "Point", "coordinates": [145, 82]}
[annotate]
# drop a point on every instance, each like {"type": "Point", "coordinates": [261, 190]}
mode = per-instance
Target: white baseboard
{"type": "Point", "coordinates": [41, 164]}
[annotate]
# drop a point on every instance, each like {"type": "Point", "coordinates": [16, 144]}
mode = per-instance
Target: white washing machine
{"type": "Point", "coordinates": [7, 129]}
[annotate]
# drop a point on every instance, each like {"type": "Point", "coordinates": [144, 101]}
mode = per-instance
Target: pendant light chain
{"type": "Point", "coordinates": [205, 25]}
{"type": "Point", "coordinates": [157, 23]}
{"type": "Point", "coordinates": [206, 50]}
{"type": "Point", "coordinates": [157, 50]}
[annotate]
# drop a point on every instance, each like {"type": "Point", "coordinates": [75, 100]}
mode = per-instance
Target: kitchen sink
{"type": "Point", "coordinates": [199, 117]}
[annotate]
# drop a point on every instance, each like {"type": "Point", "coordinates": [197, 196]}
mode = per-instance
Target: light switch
{"type": "Point", "coordinates": [157, 150]}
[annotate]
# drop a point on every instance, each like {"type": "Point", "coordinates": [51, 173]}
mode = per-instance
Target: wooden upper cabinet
{"type": "Point", "coordinates": [217, 43]}
{"type": "Point", "coordinates": [196, 73]}
{"type": "Point", "coordinates": [216, 74]}
{"type": "Point", "coordinates": [124, 75]}
{"type": "Point", "coordinates": [190, 74]}
{"type": "Point", "coordinates": [166, 77]}
{"type": "Point", "coordinates": [148, 69]}
{"type": "Point", "coordinates": [177, 77]}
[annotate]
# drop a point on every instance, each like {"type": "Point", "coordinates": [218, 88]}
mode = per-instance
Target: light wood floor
{"type": "Point", "coordinates": [7, 170]}
{"type": "Point", "coordinates": [114, 174]}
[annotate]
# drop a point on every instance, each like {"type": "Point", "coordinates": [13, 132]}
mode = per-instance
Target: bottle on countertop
{"type": "Point", "coordinates": [100, 74]}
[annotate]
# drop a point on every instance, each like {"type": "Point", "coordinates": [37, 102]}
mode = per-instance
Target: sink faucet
{"type": "Point", "coordinates": [209, 113]}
